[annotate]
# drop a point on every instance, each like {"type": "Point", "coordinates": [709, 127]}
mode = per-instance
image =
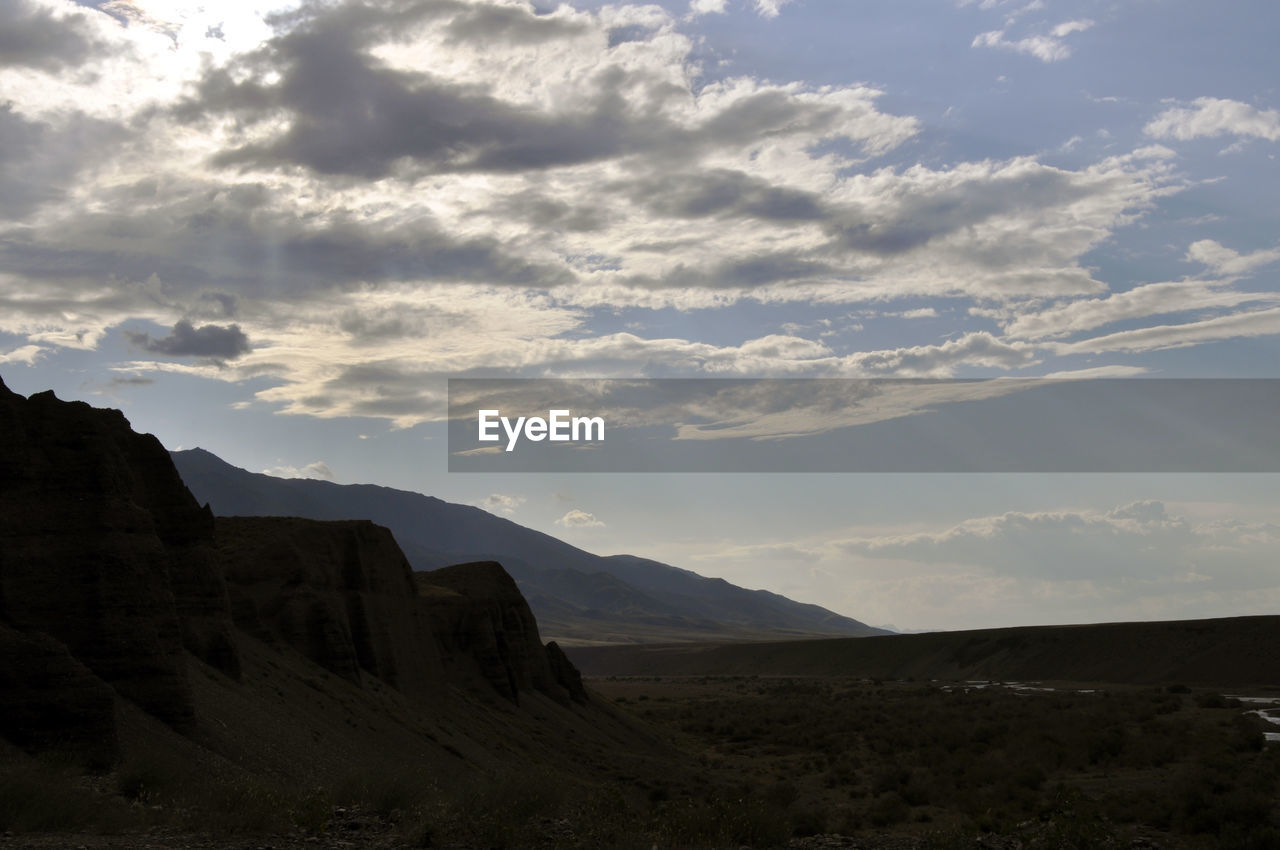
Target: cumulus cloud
{"type": "Point", "coordinates": [25, 354]}
{"type": "Point", "coordinates": [1213, 116]}
{"type": "Point", "coordinates": [352, 111]}
{"type": "Point", "coordinates": [380, 195]}
{"type": "Point", "coordinates": [32, 34]}
{"type": "Point", "coordinates": [186, 340]}
{"type": "Point", "coordinates": [579, 519]}
{"type": "Point", "coordinates": [707, 7]}
{"type": "Point", "coordinates": [500, 503]}
{"type": "Point", "coordinates": [318, 470]}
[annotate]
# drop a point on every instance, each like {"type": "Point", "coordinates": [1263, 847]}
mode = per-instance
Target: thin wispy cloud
{"type": "Point", "coordinates": [1051, 47]}
{"type": "Point", "coordinates": [501, 503]}
{"type": "Point", "coordinates": [317, 470]}
{"type": "Point", "coordinates": [1213, 116]}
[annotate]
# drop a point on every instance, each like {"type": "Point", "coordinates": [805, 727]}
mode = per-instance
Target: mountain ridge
{"type": "Point", "coordinates": [579, 598]}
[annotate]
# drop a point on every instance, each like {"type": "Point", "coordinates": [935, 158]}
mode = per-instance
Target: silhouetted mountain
{"type": "Point", "coordinates": [131, 619]}
{"type": "Point", "coordinates": [576, 596]}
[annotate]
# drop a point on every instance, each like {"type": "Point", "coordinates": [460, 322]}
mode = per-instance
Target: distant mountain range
{"type": "Point", "coordinates": [1234, 652]}
{"type": "Point", "coordinates": [578, 598]}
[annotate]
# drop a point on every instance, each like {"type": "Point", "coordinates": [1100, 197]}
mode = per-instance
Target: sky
{"type": "Point", "coordinates": [275, 231]}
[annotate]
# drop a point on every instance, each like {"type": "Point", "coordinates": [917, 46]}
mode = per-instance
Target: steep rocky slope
{"type": "Point", "coordinates": [103, 549]}
{"type": "Point", "coordinates": [124, 603]}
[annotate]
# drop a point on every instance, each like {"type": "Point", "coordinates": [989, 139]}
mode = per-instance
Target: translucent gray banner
{"type": "Point", "coordinates": [890, 425]}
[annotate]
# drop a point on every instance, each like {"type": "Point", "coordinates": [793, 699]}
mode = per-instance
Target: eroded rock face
{"type": "Point", "coordinates": [48, 700]}
{"type": "Point", "coordinates": [343, 594]}
{"type": "Point", "coordinates": [339, 592]}
{"type": "Point", "coordinates": [103, 548]}
{"type": "Point", "coordinates": [110, 573]}
{"type": "Point", "coordinates": [485, 628]}
{"type": "Point", "coordinates": [566, 675]}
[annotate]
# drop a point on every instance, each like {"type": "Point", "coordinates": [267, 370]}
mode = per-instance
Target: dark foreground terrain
{"type": "Point", "coordinates": [966, 765]}
{"type": "Point", "coordinates": [752, 762]}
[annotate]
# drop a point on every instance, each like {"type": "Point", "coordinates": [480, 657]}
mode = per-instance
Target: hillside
{"type": "Point", "coordinates": [237, 663]}
{"type": "Point", "coordinates": [1229, 652]}
{"type": "Point", "coordinates": [577, 597]}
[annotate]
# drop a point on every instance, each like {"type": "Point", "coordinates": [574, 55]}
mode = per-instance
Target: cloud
{"type": "Point", "coordinates": [707, 7]}
{"type": "Point", "coordinates": [1068, 27]}
{"type": "Point", "coordinates": [579, 519]}
{"type": "Point", "coordinates": [914, 313]}
{"type": "Point", "coordinates": [1151, 299]}
{"type": "Point", "coordinates": [1224, 261]}
{"type": "Point", "coordinates": [319, 470]}
{"type": "Point", "coordinates": [500, 503]}
{"type": "Point", "coordinates": [979, 348]}
{"type": "Point", "coordinates": [722, 193]}
{"type": "Point", "coordinates": [1142, 301]}
{"type": "Point", "coordinates": [129, 381]}
{"type": "Point", "coordinates": [770, 8]}
{"type": "Point", "coordinates": [1137, 539]}
{"type": "Point", "coordinates": [26, 354]}
{"type": "Point", "coordinates": [186, 340]}
{"type": "Point", "coordinates": [350, 112]}
{"type": "Point", "coordinates": [1211, 116]}
{"type": "Point", "coordinates": [773, 552]}
{"type": "Point", "coordinates": [1138, 561]}
{"type": "Point", "coordinates": [1046, 48]}
{"type": "Point", "coordinates": [380, 195]}
{"type": "Point", "coordinates": [1242, 325]}
{"type": "Point", "coordinates": [41, 159]}
{"type": "Point", "coordinates": [32, 35]}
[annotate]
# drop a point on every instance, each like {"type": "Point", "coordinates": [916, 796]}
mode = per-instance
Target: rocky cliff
{"type": "Point", "coordinates": [342, 593]}
{"type": "Point", "coordinates": [486, 628]}
{"type": "Point", "coordinates": [112, 577]}
{"type": "Point", "coordinates": [104, 550]}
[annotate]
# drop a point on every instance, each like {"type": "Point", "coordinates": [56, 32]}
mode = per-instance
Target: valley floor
{"type": "Point", "coordinates": [803, 763]}
{"type": "Point", "coordinates": [964, 764]}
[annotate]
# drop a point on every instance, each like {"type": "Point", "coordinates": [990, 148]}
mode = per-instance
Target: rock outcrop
{"type": "Point", "coordinates": [112, 576]}
{"type": "Point", "coordinates": [485, 628]}
{"type": "Point", "coordinates": [339, 592]}
{"type": "Point", "coordinates": [103, 548]}
{"type": "Point", "coordinates": [50, 701]}
{"type": "Point", "coordinates": [566, 675]}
